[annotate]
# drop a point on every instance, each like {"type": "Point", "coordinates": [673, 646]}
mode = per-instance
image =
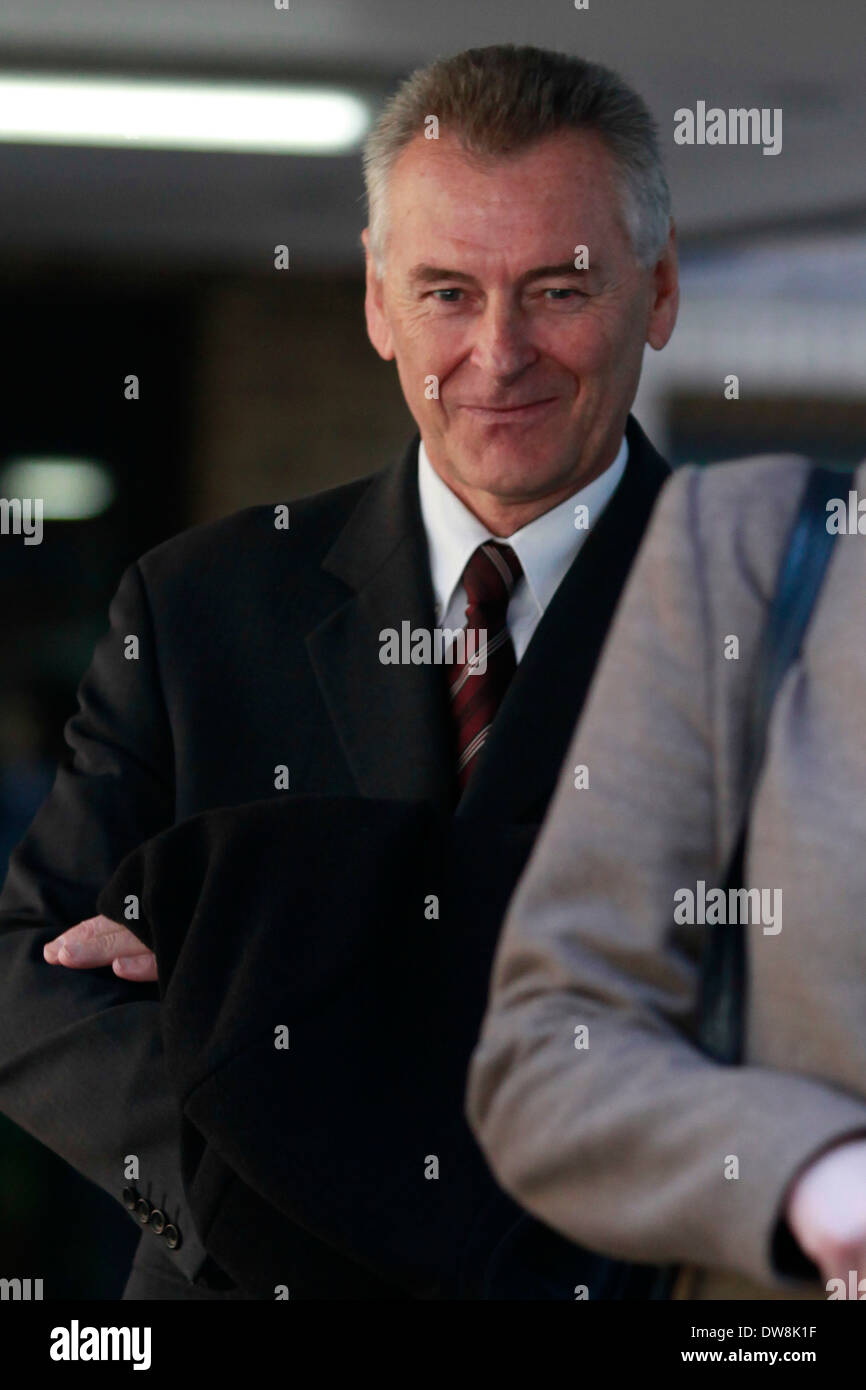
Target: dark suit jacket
{"type": "Point", "coordinates": [305, 1164]}
{"type": "Point", "coordinates": [259, 649]}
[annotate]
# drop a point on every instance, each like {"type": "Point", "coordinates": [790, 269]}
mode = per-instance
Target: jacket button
{"type": "Point", "coordinates": [130, 1197]}
{"type": "Point", "coordinates": [172, 1237]}
{"type": "Point", "coordinates": [157, 1220]}
{"type": "Point", "coordinates": [142, 1210]}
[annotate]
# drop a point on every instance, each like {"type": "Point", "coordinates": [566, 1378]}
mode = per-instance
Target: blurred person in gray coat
{"type": "Point", "coordinates": [587, 1092]}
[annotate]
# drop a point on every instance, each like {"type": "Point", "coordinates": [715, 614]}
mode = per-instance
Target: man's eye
{"type": "Point", "coordinates": [561, 291]}
{"type": "Point", "coordinates": [447, 301]}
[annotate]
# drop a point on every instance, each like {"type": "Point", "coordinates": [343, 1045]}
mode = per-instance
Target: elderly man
{"type": "Point", "coordinates": [520, 255]}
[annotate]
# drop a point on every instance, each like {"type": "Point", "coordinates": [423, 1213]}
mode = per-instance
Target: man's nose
{"type": "Point", "coordinates": [502, 344]}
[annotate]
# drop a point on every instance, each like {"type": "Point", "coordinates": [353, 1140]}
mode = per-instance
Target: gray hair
{"type": "Point", "coordinates": [500, 99]}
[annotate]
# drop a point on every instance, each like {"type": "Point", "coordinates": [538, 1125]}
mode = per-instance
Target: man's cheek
{"type": "Point", "coordinates": [587, 349]}
{"type": "Point", "coordinates": [424, 367]}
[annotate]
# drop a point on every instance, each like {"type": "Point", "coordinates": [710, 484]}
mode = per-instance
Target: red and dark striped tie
{"type": "Point", "coordinates": [489, 579]}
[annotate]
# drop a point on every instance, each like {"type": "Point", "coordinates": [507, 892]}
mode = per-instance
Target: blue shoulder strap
{"type": "Point", "coordinates": [801, 572]}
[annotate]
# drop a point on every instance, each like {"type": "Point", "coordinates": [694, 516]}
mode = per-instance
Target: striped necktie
{"type": "Point", "coordinates": [478, 684]}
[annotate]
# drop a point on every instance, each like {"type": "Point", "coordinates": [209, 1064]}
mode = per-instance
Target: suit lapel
{"type": "Point", "coordinates": [392, 720]}
{"type": "Point", "coordinates": [530, 735]}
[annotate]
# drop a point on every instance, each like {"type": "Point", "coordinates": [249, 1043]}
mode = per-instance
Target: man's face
{"type": "Point", "coordinates": [536, 366]}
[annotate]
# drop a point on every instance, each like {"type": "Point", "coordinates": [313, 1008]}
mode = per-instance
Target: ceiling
{"type": "Point", "coordinates": [215, 210]}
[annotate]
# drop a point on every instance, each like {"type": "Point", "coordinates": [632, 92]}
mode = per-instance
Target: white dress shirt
{"type": "Point", "coordinates": [545, 547]}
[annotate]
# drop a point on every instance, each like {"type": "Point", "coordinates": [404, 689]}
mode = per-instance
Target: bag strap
{"type": "Point", "coordinates": [801, 572]}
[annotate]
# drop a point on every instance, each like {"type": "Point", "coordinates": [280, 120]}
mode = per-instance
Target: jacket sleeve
{"type": "Point", "coordinates": [618, 1136]}
{"type": "Point", "coordinates": [81, 1056]}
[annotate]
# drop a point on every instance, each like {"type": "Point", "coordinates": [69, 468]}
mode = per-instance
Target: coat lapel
{"type": "Point", "coordinates": [530, 735]}
{"type": "Point", "coordinates": [392, 720]}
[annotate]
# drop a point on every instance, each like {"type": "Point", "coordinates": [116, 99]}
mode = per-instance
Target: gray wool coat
{"type": "Point", "coordinates": [586, 1092]}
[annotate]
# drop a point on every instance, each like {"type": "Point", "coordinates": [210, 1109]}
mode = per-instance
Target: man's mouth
{"type": "Point", "coordinates": [522, 411]}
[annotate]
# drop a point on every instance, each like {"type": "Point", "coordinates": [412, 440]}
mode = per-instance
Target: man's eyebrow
{"type": "Point", "coordinates": [426, 274]}
{"type": "Point", "coordinates": [551, 272]}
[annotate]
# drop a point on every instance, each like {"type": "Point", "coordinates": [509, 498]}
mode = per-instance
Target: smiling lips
{"type": "Point", "coordinates": [510, 412]}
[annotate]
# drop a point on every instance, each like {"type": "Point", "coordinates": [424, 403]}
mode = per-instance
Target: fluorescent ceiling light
{"type": "Point", "coordinates": [71, 489]}
{"type": "Point", "coordinates": [179, 115]}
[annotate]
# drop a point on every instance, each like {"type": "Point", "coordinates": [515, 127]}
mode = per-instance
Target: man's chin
{"type": "Point", "coordinates": [513, 467]}
{"type": "Point", "coordinates": [511, 482]}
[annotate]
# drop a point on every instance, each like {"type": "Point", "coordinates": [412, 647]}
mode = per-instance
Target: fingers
{"type": "Point", "coordinates": [97, 941]}
{"type": "Point", "coordinates": [826, 1210]}
{"type": "Point", "coordinates": [141, 968]}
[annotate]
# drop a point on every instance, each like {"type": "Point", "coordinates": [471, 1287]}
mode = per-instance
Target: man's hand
{"type": "Point", "coordinates": [826, 1210]}
{"type": "Point", "coordinates": [99, 941]}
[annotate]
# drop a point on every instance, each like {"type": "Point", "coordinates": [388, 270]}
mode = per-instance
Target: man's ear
{"type": "Point", "coordinates": [378, 330]}
{"type": "Point", "coordinates": [666, 294]}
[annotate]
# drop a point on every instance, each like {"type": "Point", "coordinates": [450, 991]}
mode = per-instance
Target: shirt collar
{"type": "Point", "coordinates": [545, 547]}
